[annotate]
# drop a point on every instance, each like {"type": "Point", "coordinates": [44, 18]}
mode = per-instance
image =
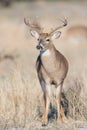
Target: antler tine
{"type": "Point", "coordinates": [33, 26]}
{"type": "Point", "coordinates": [64, 21]}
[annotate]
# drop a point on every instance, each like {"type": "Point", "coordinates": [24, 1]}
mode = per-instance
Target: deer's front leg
{"type": "Point", "coordinates": [47, 93]}
{"type": "Point", "coordinates": [58, 100]}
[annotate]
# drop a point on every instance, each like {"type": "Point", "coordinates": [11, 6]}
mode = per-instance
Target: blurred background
{"type": "Point", "coordinates": [16, 42]}
{"type": "Point", "coordinates": [18, 55]}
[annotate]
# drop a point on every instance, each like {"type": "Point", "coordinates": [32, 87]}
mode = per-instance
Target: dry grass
{"type": "Point", "coordinates": [77, 104]}
{"type": "Point", "coordinates": [21, 98]}
{"type": "Point", "coordinates": [18, 103]}
{"type": "Point", "coordinates": [21, 103]}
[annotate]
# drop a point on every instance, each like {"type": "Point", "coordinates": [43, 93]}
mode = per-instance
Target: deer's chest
{"type": "Point", "coordinates": [49, 63]}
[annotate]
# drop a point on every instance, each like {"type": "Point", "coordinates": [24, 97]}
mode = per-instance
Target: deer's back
{"type": "Point", "coordinates": [77, 32]}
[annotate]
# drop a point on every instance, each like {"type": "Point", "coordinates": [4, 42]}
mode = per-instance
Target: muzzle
{"type": "Point", "coordinates": [39, 47]}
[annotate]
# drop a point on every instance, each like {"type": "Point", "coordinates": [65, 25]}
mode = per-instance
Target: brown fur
{"type": "Point", "coordinates": [52, 69]}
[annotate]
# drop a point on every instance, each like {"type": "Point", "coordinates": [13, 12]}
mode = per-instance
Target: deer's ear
{"type": "Point", "coordinates": [34, 34]}
{"type": "Point", "coordinates": [56, 35]}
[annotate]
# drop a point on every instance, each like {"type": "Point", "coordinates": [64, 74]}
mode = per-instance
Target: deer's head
{"type": "Point", "coordinates": [44, 39]}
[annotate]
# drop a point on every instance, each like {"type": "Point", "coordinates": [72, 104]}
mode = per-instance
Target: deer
{"type": "Point", "coordinates": [51, 66]}
{"type": "Point", "coordinates": [77, 34]}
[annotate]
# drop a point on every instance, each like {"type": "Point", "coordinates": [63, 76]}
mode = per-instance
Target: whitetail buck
{"type": "Point", "coordinates": [77, 34]}
{"type": "Point", "coordinates": [51, 67]}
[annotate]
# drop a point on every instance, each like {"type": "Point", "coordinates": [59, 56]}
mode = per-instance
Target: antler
{"type": "Point", "coordinates": [33, 26]}
{"type": "Point", "coordinates": [64, 24]}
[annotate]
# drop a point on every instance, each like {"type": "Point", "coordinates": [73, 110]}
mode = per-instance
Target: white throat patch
{"type": "Point", "coordinates": [46, 53]}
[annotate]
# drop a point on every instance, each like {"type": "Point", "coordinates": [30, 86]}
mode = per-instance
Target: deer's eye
{"type": "Point", "coordinates": [47, 40]}
{"type": "Point", "coordinates": [38, 39]}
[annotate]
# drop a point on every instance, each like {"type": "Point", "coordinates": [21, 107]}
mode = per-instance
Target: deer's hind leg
{"type": "Point", "coordinates": [64, 119]}
{"type": "Point", "coordinates": [61, 114]}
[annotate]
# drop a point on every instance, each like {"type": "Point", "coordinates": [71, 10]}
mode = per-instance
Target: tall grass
{"type": "Point", "coordinates": [21, 101]}
{"type": "Point", "coordinates": [18, 100]}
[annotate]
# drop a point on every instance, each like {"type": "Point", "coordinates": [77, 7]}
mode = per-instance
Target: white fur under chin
{"type": "Point", "coordinates": [47, 53]}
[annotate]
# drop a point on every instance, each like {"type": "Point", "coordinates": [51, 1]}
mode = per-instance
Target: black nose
{"type": "Point", "coordinates": [38, 47]}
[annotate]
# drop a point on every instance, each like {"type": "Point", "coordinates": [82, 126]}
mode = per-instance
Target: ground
{"type": "Point", "coordinates": [20, 92]}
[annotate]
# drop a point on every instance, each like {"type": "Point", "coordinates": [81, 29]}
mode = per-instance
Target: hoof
{"type": "Point", "coordinates": [65, 120]}
{"type": "Point", "coordinates": [44, 124]}
{"type": "Point", "coordinates": [44, 121]}
{"type": "Point", "coordinates": [60, 120]}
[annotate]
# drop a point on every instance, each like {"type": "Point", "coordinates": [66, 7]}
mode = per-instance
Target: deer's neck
{"type": "Point", "coordinates": [51, 51]}
{"type": "Point", "coordinates": [49, 59]}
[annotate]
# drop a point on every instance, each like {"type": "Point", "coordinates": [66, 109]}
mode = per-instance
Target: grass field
{"type": "Point", "coordinates": [21, 98]}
